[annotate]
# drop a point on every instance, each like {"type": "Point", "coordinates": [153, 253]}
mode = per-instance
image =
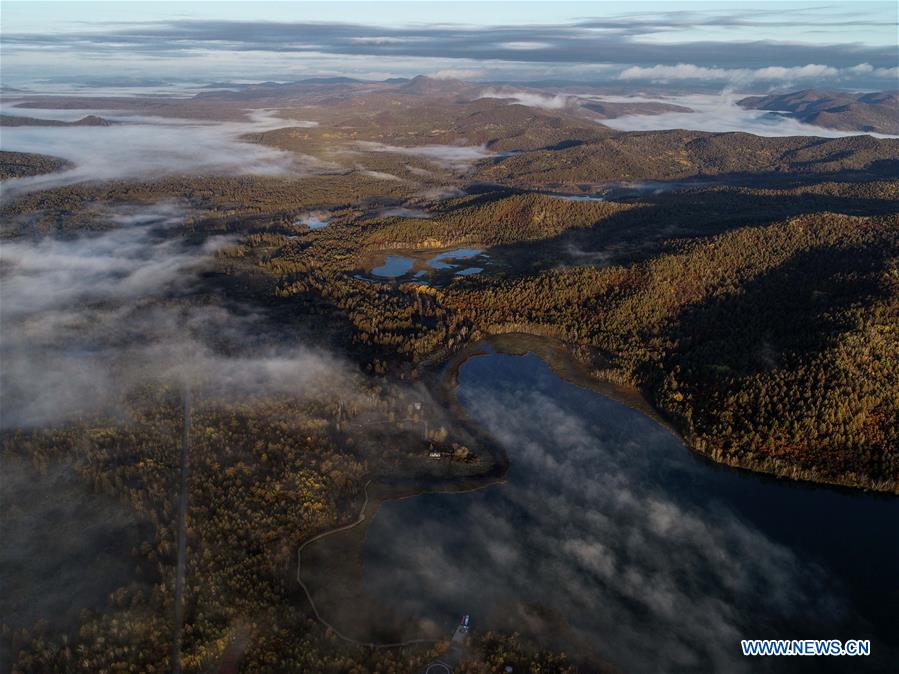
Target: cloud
{"type": "Point", "coordinates": [719, 113]}
{"type": "Point", "coordinates": [546, 102]}
{"type": "Point", "coordinates": [868, 69]}
{"type": "Point", "coordinates": [380, 39]}
{"type": "Point", "coordinates": [862, 69]}
{"type": "Point", "coordinates": [125, 263]}
{"type": "Point", "coordinates": [140, 147]}
{"type": "Point", "coordinates": [313, 219]}
{"type": "Point", "coordinates": [809, 71]}
{"type": "Point", "coordinates": [377, 175]}
{"type": "Point", "coordinates": [886, 73]}
{"type": "Point", "coordinates": [94, 325]}
{"type": "Point", "coordinates": [87, 318]}
{"type": "Point", "coordinates": [524, 45]}
{"type": "Point", "coordinates": [450, 156]}
{"type": "Point", "coordinates": [441, 193]}
{"type": "Point", "coordinates": [403, 212]}
{"type": "Point", "coordinates": [637, 39]}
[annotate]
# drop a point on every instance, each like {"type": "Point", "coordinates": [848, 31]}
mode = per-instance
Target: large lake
{"type": "Point", "coordinates": [610, 536]}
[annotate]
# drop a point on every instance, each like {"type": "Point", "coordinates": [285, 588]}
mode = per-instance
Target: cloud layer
{"type": "Point", "coordinates": [743, 76]}
{"type": "Point", "coordinates": [587, 41]}
{"type": "Point", "coordinates": [534, 100]}
{"type": "Point", "coordinates": [145, 147]}
{"type": "Point", "coordinates": [584, 48]}
{"type": "Point", "coordinates": [720, 113]}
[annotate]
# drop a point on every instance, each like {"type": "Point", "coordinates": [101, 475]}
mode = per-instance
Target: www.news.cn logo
{"type": "Point", "coordinates": [850, 647]}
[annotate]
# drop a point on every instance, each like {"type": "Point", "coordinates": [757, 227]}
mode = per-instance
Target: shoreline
{"type": "Point", "coordinates": [441, 376]}
{"type": "Point", "coordinates": [440, 380]}
{"type": "Point", "coordinates": [558, 356]}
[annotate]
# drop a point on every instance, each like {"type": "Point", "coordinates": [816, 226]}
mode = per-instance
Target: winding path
{"type": "Point", "coordinates": [359, 520]}
{"type": "Point", "coordinates": [367, 644]}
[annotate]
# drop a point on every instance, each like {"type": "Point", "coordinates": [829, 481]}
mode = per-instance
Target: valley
{"type": "Point", "coordinates": [452, 348]}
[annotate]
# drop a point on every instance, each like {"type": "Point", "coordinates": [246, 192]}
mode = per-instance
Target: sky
{"type": "Point", "coordinates": [760, 45]}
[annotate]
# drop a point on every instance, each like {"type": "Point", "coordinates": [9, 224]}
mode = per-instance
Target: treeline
{"type": "Point", "coordinates": [266, 473]}
{"type": "Point", "coordinates": [677, 155]}
{"type": "Point", "coordinates": [768, 346]}
{"type": "Point", "coordinates": [772, 347]}
{"type": "Point", "coordinates": [23, 164]}
{"type": "Point", "coordinates": [491, 219]}
{"type": "Point", "coordinates": [230, 204]}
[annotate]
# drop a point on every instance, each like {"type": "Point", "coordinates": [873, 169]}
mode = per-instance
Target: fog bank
{"type": "Point", "coordinates": [85, 319]}
{"type": "Point", "coordinates": [718, 113]}
{"type": "Point", "coordinates": [141, 147]}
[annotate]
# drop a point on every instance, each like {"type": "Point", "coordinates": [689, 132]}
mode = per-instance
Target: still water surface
{"type": "Point", "coordinates": [394, 265]}
{"type": "Point", "coordinates": [629, 545]}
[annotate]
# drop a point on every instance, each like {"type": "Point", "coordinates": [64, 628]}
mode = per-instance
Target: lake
{"type": "Point", "coordinates": [448, 260]}
{"type": "Point", "coordinates": [612, 540]}
{"type": "Point", "coordinates": [396, 266]}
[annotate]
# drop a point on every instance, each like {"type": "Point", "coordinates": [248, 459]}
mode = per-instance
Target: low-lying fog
{"type": "Point", "coordinates": [139, 146]}
{"type": "Point", "coordinates": [88, 322]}
{"type": "Point", "coordinates": [456, 157]}
{"type": "Point", "coordinates": [86, 318]}
{"type": "Point", "coordinates": [606, 529]}
{"type": "Point", "coordinates": [718, 113]}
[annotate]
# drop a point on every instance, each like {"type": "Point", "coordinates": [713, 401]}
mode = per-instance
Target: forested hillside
{"type": "Point", "coordinates": [677, 155]}
{"type": "Point", "coordinates": [21, 164]}
{"type": "Point", "coordinates": [753, 342]}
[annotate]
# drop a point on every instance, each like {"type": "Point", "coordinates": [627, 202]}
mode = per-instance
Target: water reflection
{"type": "Point", "coordinates": [655, 558]}
{"type": "Point", "coordinates": [394, 266]}
{"type": "Point", "coordinates": [446, 260]}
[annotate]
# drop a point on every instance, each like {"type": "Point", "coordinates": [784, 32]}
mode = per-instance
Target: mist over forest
{"type": "Point", "coordinates": [557, 340]}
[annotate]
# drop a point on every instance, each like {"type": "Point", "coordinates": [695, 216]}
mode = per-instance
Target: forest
{"type": "Point", "coordinates": [747, 288]}
{"type": "Point", "coordinates": [752, 342]}
{"type": "Point", "coordinates": [23, 164]}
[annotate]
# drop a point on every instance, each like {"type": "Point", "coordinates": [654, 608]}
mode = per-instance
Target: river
{"type": "Point", "coordinates": [613, 541]}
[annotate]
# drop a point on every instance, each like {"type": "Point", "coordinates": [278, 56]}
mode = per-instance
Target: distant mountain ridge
{"type": "Point", "coordinates": [876, 112]}
{"type": "Point", "coordinates": [423, 85]}
{"type": "Point", "coordinates": [89, 120]}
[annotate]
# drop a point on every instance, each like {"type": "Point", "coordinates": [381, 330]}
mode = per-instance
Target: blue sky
{"type": "Point", "coordinates": [735, 43]}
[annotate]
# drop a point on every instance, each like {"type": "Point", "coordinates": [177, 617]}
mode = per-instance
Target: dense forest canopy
{"type": "Point", "coordinates": [745, 287]}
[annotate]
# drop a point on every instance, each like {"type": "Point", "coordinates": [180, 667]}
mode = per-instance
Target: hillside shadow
{"type": "Point", "coordinates": [666, 221]}
{"type": "Point", "coordinates": [796, 308]}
